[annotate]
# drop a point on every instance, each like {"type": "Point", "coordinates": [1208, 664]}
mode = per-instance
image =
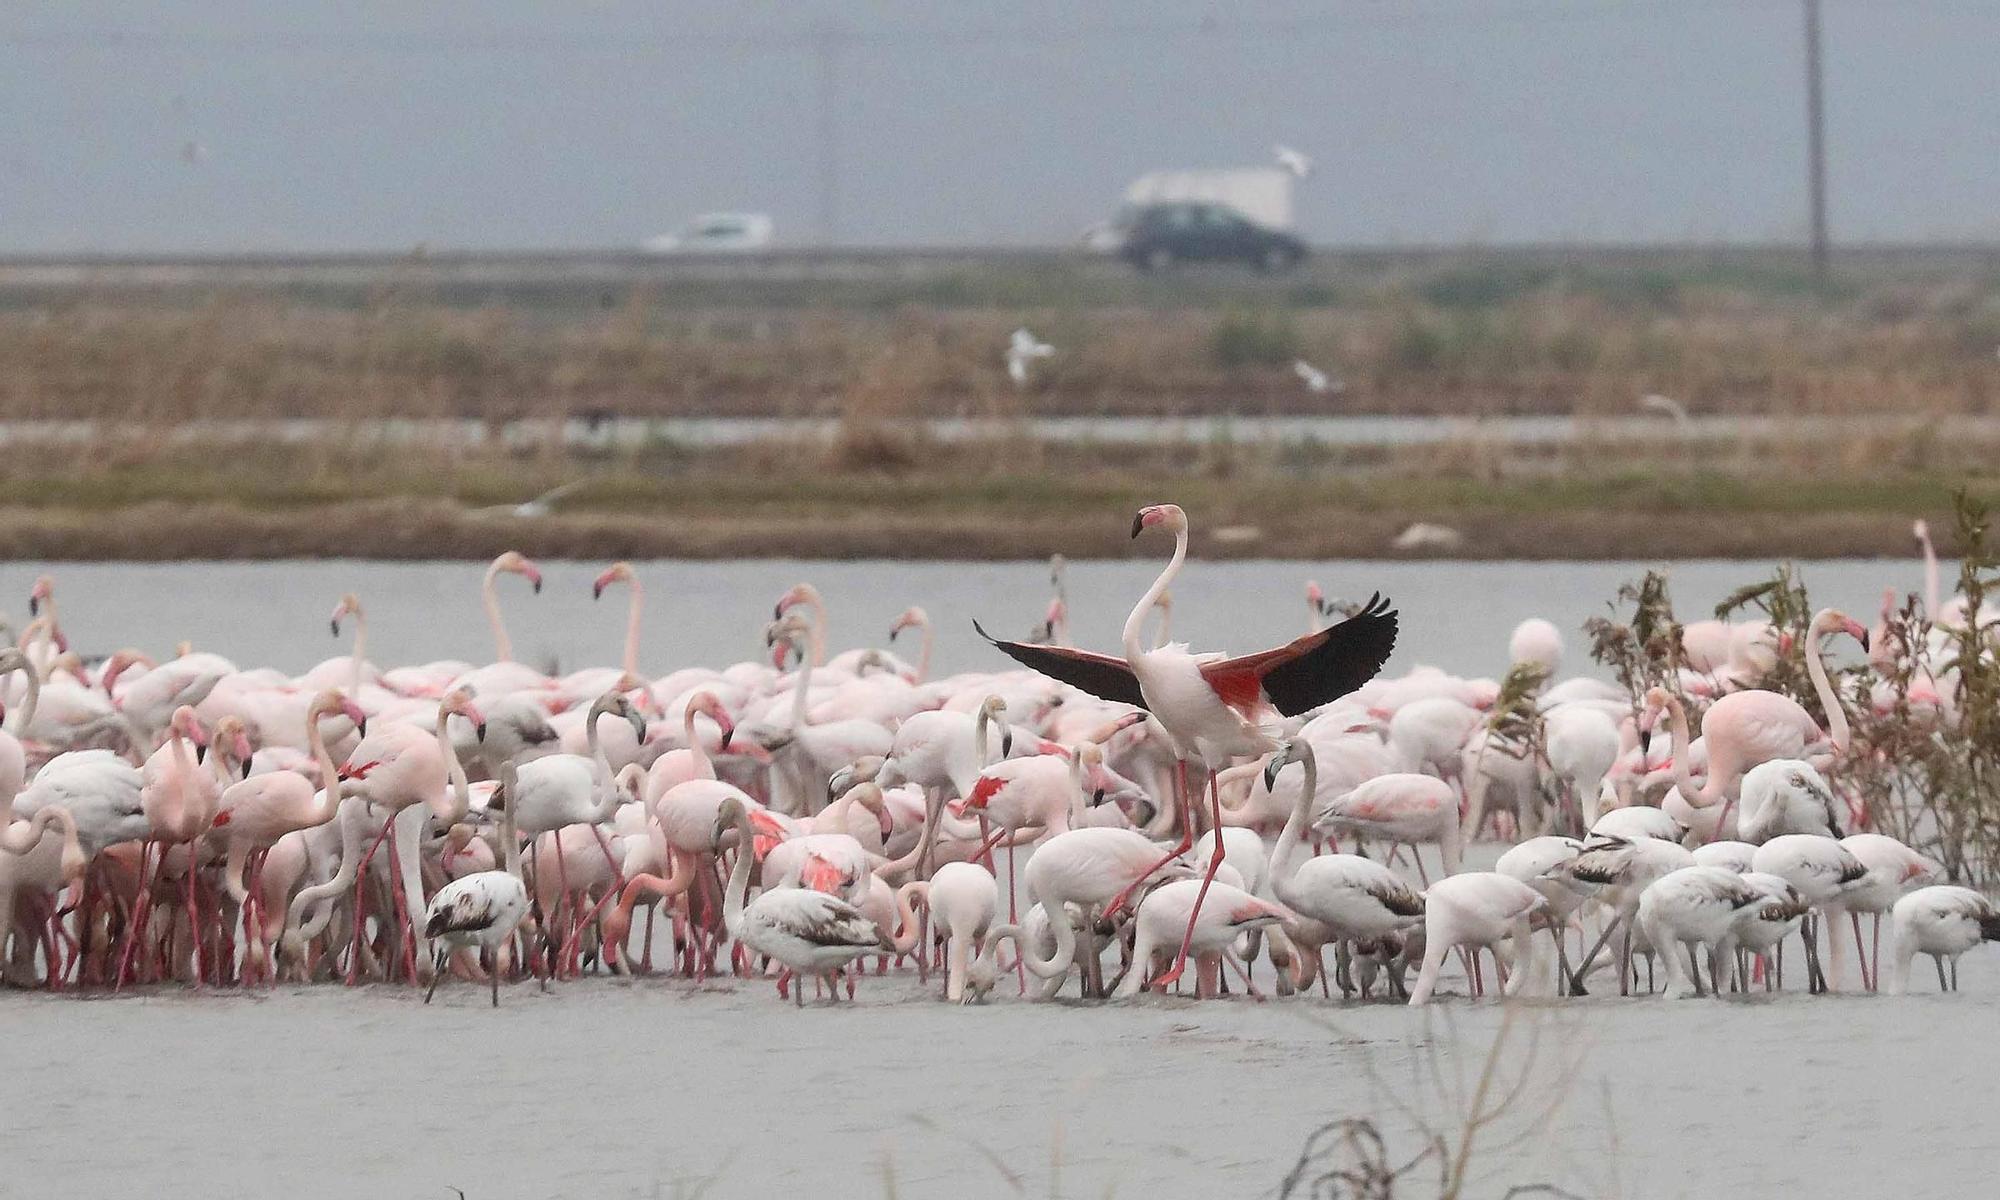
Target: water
{"type": "Point", "coordinates": [1455, 615]}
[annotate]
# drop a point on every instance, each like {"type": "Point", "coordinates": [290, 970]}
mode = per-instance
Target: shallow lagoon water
{"type": "Point", "coordinates": [662, 1088]}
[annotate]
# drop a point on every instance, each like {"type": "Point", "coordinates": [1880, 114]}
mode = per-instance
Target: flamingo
{"type": "Point", "coordinates": [1893, 870]}
{"type": "Point", "coordinates": [1785, 795]}
{"type": "Point", "coordinates": [1477, 909]}
{"type": "Point", "coordinates": [14, 756]}
{"type": "Point", "coordinates": [1088, 868]}
{"type": "Point", "coordinates": [962, 898]}
{"type": "Point", "coordinates": [1775, 919]}
{"type": "Point", "coordinates": [1746, 728]}
{"type": "Point", "coordinates": [254, 812]}
{"type": "Point", "coordinates": [916, 618]}
{"type": "Point", "coordinates": [1619, 870]}
{"type": "Point", "coordinates": [1693, 907]}
{"type": "Point", "coordinates": [1215, 709]}
{"type": "Point", "coordinates": [1944, 922]}
{"type": "Point", "coordinates": [808, 931]}
{"type": "Point", "coordinates": [503, 674]}
{"type": "Point", "coordinates": [482, 909]}
{"type": "Point", "coordinates": [1358, 898]}
{"type": "Point", "coordinates": [1168, 909]}
{"type": "Point", "coordinates": [1823, 871]}
{"type": "Point", "coordinates": [351, 670]}
{"type": "Point", "coordinates": [1398, 807]}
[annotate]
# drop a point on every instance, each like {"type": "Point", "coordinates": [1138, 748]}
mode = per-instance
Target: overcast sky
{"type": "Point", "coordinates": [331, 124]}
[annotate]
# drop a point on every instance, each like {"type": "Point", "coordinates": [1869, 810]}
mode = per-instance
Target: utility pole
{"type": "Point", "coordinates": [828, 39]}
{"type": "Point", "coordinates": [1816, 139]}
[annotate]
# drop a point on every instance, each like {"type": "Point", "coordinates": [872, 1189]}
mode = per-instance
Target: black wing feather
{"type": "Point", "coordinates": [1349, 655]}
{"type": "Point", "coordinates": [1102, 676]}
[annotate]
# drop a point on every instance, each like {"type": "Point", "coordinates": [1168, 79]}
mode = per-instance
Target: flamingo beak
{"type": "Point", "coordinates": [597, 590]}
{"type": "Point", "coordinates": [335, 623]}
{"type": "Point", "coordinates": [728, 729]}
{"type": "Point", "coordinates": [246, 766]}
{"type": "Point", "coordinates": [1271, 770]}
{"type": "Point", "coordinates": [1138, 522]}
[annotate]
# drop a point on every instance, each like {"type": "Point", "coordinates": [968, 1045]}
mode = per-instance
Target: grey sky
{"type": "Point", "coordinates": [375, 126]}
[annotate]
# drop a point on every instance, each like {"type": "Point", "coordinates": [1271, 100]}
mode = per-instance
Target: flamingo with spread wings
{"type": "Point", "coordinates": [1215, 709]}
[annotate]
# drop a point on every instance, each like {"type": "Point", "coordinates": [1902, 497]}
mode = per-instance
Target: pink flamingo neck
{"type": "Point", "coordinates": [1135, 624]}
{"type": "Point", "coordinates": [632, 611]}
{"type": "Point", "coordinates": [1837, 730]}
{"type": "Point", "coordinates": [503, 647]}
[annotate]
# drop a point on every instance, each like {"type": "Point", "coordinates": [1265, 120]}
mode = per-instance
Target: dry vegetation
{"type": "Point", "coordinates": [1464, 334]}
{"type": "Point", "coordinates": [1458, 334]}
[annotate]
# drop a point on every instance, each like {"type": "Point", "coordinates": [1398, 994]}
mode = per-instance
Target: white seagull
{"type": "Point", "coordinates": [1292, 160]}
{"type": "Point", "coordinates": [1023, 348]}
{"type": "Point", "coordinates": [1666, 406]}
{"type": "Point", "coordinates": [1317, 381]}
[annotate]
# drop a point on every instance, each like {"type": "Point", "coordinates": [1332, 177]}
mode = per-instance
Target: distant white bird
{"type": "Point", "coordinates": [1665, 405]}
{"type": "Point", "coordinates": [540, 506]}
{"type": "Point", "coordinates": [1022, 349]}
{"type": "Point", "coordinates": [1316, 380]}
{"type": "Point", "coordinates": [1425, 536]}
{"type": "Point", "coordinates": [1292, 160]}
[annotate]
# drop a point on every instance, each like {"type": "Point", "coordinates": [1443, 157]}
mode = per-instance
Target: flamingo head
{"type": "Point", "coordinates": [231, 738]}
{"type": "Point", "coordinates": [709, 706]}
{"type": "Point", "coordinates": [43, 591]}
{"type": "Point", "coordinates": [728, 815]}
{"type": "Point", "coordinates": [513, 562]}
{"type": "Point", "coordinates": [350, 605]}
{"type": "Point", "coordinates": [458, 702]}
{"type": "Point", "coordinates": [1296, 750]}
{"type": "Point", "coordinates": [869, 796]}
{"type": "Point", "coordinates": [844, 780]}
{"type": "Point", "coordinates": [121, 662]}
{"type": "Point", "coordinates": [618, 572]}
{"type": "Point", "coordinates": [1168, 515]}
{"type": "Point", "coordinates": [1315, 596]}
{"type": "Point", "coordinates": [185, 723]}
{"type": "Point", "coordinates": [910, 618]}
{"type": "Point", "coordinates": [799, 593]}
{"type": "Point", "coordinates": [617, 703]}
{"type": "Point", "coordinates": [332, 701]}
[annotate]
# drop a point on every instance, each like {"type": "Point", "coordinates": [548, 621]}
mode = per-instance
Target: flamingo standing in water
{"type": "Point", "coordinates": [1477, 909]}
{"type": "Point", "coordinates": [1214, 709]}
{"type": "Point", "coordinates": [1944, 922]}
{"type": "Point", "coordinates": [806, 930]}
{"type": "Point", "coordinates": [482, 909]}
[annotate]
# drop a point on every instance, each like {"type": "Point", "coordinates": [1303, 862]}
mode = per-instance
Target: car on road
{"type": "Point", "coordinates": [715, 233]}
{"type": "Point", "coordinates": [1153, 237]}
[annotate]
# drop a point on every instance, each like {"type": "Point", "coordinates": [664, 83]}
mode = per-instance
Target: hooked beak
{"type": "Point", "coordinates": [1271, 770]}
{"type": "Point", "coordinates": [200, 752]}
{"type": "Point", "coordinates": [1006, 743]}
{"type": "Point", "coordinates": [638, 723]}
{"type": "Point", "coordinates": [728, 731]}
{"type": "Point", "coordinates": [537, 581]}
{"type": "Point", "coordinates": [34, 606]}
{"type": "Point", "coordinates": [1138, 523]}
{"type": "Point", "coordinates": [246, 766]}
{"type": "Point", "coordinates": [335, 623]}
{"type": "Point", "coordinates": [479, 730]}
{"type": "Point", "coordinates": [597, 591]}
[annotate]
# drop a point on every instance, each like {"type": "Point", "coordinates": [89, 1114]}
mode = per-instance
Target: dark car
{"type": "Point", "coordinates": [1160, 235]}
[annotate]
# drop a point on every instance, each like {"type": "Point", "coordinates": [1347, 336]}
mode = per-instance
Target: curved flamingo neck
{"type": "Point", "coordinates": [605, 801]}
{"type": "Point", "coordinates": [818, 606]}
{"type": "Point", "coordinates": [1837, 730]}
{"type": "Point", "coordinates": [1135, 624]}
{"type": "Point", "coordinates": [905, 937]}
{"type": "Point", "coordinates": [503, 648]}
{"type": "Point", "coordinates": [33, 698]}
{"type": "Point", "coordinates": [1931, 588]}
{"type": "Point", "coordinates": [924, 654]}
{"type": "Point", "coordinates": [1280, 873]}
{"type": "Point", "coordinates": [737, 894]}
{"type": "Point", "coordinates": [23, 836]}
{"type": "Point", "coordinates": [1680, 747]}
{"type": "Point", "coordinates": [328, 773]}
{"type": "Point", "coordinates": [804, 685]}
{"type": "Point", "coordinates": [632, 612]}
{"type": "Point", "coordinates": [461, 795]}
{"type": "Point", "coordinates": [359, 654]}
{"type": "Point", "coordinates": [697, 753]}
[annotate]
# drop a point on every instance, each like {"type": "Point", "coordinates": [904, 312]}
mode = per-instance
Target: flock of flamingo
{"type": "Point", "coordinates": [188, 820]}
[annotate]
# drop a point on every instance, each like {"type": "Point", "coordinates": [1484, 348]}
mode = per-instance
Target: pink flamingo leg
{"type": "Point", "coordinates": [135, 930]}
{"type": "Point", "coordinates": [194, 923]}
{"type": "Point", "coordinates": [1208, 877]}
{"type": "Point", "coordinates": [1186, 843]}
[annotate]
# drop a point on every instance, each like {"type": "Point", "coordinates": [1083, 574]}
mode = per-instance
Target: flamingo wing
{"type": "Point", "coordinates": [1301, 675]}
{"type": "Point", "coordinates": [1101, 675]}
